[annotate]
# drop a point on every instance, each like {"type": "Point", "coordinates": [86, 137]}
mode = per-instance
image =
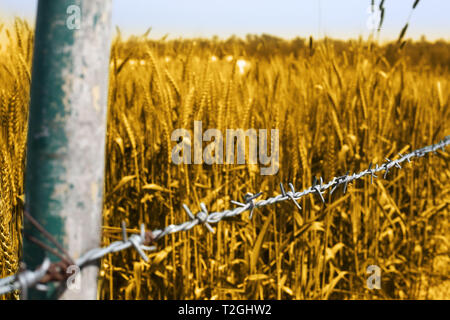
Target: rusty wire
{"type": "Point", "coordinates": [55, 271]}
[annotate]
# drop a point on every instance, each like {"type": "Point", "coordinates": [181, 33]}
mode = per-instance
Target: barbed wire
{"type": "Point", "coordinates": [26, 279]}
{"type": "Point", "coordinates": [318, 187]}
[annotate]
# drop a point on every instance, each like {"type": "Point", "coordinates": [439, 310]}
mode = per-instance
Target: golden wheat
{"type": "Point", "coordinates": [339, 106]}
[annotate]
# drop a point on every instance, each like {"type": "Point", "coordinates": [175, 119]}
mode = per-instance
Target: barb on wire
{"type": "Point", "coordinates": [139, 242]}
{"type": "Point", "coordinates": [290, 194]}
{"type": "Point", "coordinates": [372, 172]}
{"type": "Point", "coordinates": [316, 188]}
{"type": "Point", "coordinates": [249, 199]}
{"type": "Point", "coordinates": [201, 217]}
{"type": "Point", "coordinates": [28, 279]}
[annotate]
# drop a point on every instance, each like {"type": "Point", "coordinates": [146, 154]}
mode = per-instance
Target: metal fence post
{"type": "Point", "coordinates": [66, 135]}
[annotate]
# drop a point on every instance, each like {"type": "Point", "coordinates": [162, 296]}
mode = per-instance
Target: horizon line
{"type": "Point", "coordinates": [127, 33]}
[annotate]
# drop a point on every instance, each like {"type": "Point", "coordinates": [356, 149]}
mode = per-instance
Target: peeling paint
{"type": "Point", "coordinates": [59, 190]}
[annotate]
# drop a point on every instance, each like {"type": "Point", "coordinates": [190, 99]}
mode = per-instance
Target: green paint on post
{"type": "Point", "coordinates": [46, 135]}
{"type": "Point", "coordinates": [53, 119]}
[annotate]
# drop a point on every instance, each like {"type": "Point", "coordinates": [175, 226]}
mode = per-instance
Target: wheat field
{"type": "Point", "coordinates": [338, 106]}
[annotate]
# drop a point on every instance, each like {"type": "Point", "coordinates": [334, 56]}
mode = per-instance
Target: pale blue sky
{"type": "Point", "coordinates": [284, 18]}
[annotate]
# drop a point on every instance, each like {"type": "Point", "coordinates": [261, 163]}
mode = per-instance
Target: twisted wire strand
{"type": "Point", "coordinates": [26, 279]}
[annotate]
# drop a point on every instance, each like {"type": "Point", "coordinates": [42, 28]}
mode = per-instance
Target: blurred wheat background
{"type": "Point", "coordinates": [338, 106]}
